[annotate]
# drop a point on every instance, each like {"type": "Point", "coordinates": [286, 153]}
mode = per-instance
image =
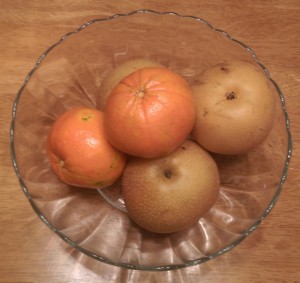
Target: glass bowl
{"type": "Point", "coordinates": [69, 74]}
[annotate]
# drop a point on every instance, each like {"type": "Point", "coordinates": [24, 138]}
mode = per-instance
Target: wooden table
{"type": "Point", "coordinates": [30, 252]}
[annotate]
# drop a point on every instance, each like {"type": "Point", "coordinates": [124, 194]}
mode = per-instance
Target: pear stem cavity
{"type": "Point", "coordinates": [231, 95]}
{"type": "Point", "coordinates": [168, 173]}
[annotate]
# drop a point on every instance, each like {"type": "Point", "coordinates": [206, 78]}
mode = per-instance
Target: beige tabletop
{"type": "Point", "coordinates": [30, 252]}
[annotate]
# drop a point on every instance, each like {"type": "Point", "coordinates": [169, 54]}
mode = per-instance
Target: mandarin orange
{"type": "Point", "coordinates": [79, 153]}
{"type": "Point", "coordinates": [150, 112]}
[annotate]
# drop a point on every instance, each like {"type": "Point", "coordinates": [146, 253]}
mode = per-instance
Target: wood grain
{"type": "Point", "coordinates": [30, 252]}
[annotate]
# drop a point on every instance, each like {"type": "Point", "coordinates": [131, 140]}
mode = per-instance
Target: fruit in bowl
{"type": "Point", "coordinates": [169, 182]}
{"type": "Point", "coordinates": [170, 194]}
{"type": "Point", "coordinates": [149, 113]}
{"type": "Point", "coordinates": [79, 152]}
{"type": "Point", "coordinates": [235, 107]}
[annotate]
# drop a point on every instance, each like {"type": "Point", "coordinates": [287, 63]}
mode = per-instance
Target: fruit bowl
{"type": "Point", "coordinates": [69, 73]}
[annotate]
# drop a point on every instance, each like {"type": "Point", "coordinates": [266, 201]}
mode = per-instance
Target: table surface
{"type": "Point", "coordinates": [30, 252]}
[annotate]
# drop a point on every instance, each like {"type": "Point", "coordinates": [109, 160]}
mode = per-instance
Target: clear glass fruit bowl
{"type": "Point", "coordinates": [69, 74]}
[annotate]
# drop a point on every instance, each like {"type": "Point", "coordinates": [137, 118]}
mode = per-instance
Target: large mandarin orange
{"type": "Point", "coordinates": [150, 112]}
{"type": "Point", "coordinates": [79, 153]}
